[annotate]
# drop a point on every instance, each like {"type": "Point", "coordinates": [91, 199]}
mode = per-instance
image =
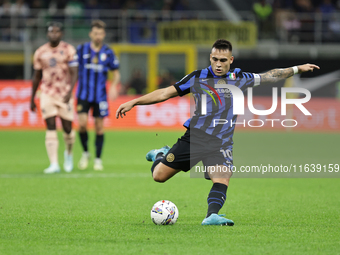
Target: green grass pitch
{"type": "Point", "coordinates": [87, 212]}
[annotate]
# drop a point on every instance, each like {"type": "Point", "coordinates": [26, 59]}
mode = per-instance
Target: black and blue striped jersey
{"type": "Point", "coordinates": [93, 68]}
{"type": "Point", "coordinates": [219, 101]}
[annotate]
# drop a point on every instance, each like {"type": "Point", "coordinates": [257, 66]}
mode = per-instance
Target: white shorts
{"type": "Point", "coordinates": [51, 107]}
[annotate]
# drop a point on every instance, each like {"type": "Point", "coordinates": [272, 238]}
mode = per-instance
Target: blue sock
{"type": "Point", "coordinates": [99, 145]}
{"type": "Point", "coordinates": [216, 198]}
{"type": "Point", "coordinates": [83, 138]}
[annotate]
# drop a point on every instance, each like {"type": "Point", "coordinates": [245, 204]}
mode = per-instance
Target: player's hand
{"type": "Point", "coordinates": [307, 68]}
{"type": "Point", "coordinates": [67, 97]}
{"type": "Point", "coordinates": [33, 107]}
{"type": "Point", "coordinates": [123, 108]}
{"type": "Point", "coordinates": [113, 94]}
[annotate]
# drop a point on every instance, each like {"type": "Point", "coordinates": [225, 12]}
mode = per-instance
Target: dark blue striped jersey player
{"type": "Point", "coordinates": [93, 70]}
{"type": "Point", "coordinates": [219, 102]}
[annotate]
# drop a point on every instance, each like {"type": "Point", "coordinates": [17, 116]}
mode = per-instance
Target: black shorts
{"type": "Point", "coordinates": [197, 146]}
{"type": "Point", "coordinates": [100, 109]}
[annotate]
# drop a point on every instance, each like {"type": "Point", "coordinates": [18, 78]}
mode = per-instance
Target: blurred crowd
{"type": "Point", "coordinates": [23, 6]}
{"type": "Point", "coordinates": [17, 14]}
{"type": "Point", "coordinates": [298, 19]}
{"type": "Point", "coordinates": [287, 20]}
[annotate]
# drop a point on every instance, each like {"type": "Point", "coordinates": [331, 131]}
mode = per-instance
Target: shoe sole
{"type": "Point", "coordinates": [68, 170]}
{"type": "Point", "coordinates": [228, 224]}
{"type": "Point", "coordinates": [82, 168]}
{"type": "Point", "coordinates": [98, 169]}
{"type": "Point", "coordinates": [55, 172]}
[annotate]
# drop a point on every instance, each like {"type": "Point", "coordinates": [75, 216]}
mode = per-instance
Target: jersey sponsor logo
{"type": "Point", "coordinates": [226, 92]}
{"type": "Point", "coordinates": [53, 62]}
{"type": "Point", "coordinates": [95, 67]}
{"type": "Point", "coordinates": [170, 157]}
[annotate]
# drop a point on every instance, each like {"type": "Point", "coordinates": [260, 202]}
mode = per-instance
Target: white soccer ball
{"type": "Point", "coordinates": [164, 212]}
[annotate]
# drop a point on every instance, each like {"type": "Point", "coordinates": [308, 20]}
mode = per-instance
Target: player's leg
{"type": "Point", "coordinates": [65, 112]}
{"type": "Point", "coordinates": [83, 135]}
{"type": "Point", "coordinates": [69, 138]}
{"type": "Point", "coordinates": [100, 111]}
{"type": "Point", "coordinates": [217, 196]}
{"type": "Point", "coordinates": [162, 173]}
{"type": "Point", "coordinates": [219, 173]}
{"type": "Point", "coordinates": [83, 108]}
{"type": "Point", "coordinates": [49, 112]}
{"type": "Point", "coordinates": [99, 142]}
{"type": "Point", "coordinates": [52, 144]}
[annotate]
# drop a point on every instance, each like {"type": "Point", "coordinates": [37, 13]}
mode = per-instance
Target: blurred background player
{"type": "Point", "coordinates": [55, 64]}
{"type": "Point", "coordinates": [95, 60]}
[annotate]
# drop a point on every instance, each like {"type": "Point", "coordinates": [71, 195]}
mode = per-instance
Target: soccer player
{"type": "Point", "coordinates": [95, 60]}
{"type": "Point", "coordinates": [55, 64]}
{"type": "Point", "coordinates": [204, 141]}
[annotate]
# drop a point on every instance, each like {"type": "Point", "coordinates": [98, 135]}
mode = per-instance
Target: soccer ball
{"type": "Point", "coordinates": [164, 212]}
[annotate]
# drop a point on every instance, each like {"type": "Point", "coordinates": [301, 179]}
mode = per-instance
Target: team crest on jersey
{"type": "Point", "coordinates": [103, 57]}
{"type": "Point", "coordinates": [170, 157]}
{"type": "Point", "coordinates": [232, 76]}
{"type": "Point", "coordinates": [79, 107]}
{"type": "Point", "coordinates": [221, 81]}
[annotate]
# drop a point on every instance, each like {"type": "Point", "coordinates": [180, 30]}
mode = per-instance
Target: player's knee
{"type": "Point", "coordinates": [158, 177]}
{"type": "Point", "coordinates": [82, 128]}
{"type": "Point", "coordinates": [67, 129]}
{"type": "Point", "coordinates": [99, 131]}
{"type": "Point", "coordinates": [51, 126]}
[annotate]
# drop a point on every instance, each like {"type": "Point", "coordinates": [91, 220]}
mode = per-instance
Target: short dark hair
{"type": "Point", "coordinates": [98, 24]}
{"type": "Point", "coordinates": [54, 24]}
{"type": "Point", "coordinates": [222, 44]}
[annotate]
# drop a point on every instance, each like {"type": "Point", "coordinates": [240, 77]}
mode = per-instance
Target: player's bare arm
{"type": "Point", "coordinates": [279, 74]}
{"type": "Point", "coordinates": [35, 84]}
{"type": "Point", "coordinates": [113, 92]}
{"type": "Point", "coordinates": [74, 77]}
{"type": "Point", "coordinates": [154, 97]}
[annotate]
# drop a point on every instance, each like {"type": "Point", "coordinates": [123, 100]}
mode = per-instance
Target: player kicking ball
{"type": "Point", "coordinates": [204, 141]}
{"type": "Point", "coordinates": [55, 65]}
